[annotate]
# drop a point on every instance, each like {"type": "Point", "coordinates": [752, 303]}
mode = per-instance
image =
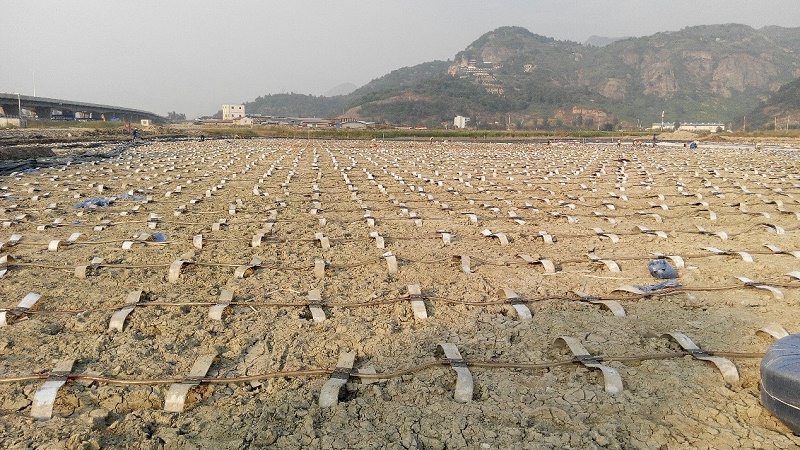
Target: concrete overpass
{"type": "Point", "coordinates": [44, 108]}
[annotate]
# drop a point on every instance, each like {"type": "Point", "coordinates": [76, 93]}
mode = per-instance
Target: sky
{"type": "Point", "coordinates": [192, 56]}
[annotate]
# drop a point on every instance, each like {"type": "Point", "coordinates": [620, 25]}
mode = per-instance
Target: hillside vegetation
{"type": "Point", "coordinates": [513, 78]}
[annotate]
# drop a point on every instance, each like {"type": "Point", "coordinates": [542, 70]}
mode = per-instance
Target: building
{"type": "Point", "coordinates": [460, 121]}
{"type": "Point", "coordinates": [690, 126]}
{"type": "Point", "coordinates": [232, 112]}
{"type": "Point", "coordinates": [663, 126]}
{"type": "Point", "coordinates": [710, 127]}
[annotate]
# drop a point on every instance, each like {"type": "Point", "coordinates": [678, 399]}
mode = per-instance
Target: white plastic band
{"type": "Point", "coordinates": [464, 384]}
{"type": "Point", "coordinates": [612, 379]}
{"type": "Point", "coordinates": [175, 270]}
{"type": "Point", "coordinates": [117, 321]}
{"type": "Point", "coordinates": [465, 262]}
{"type": "Point", "coordinates": [225, 299]}
{"type": "Point", "coordinates": [777, 293]}
{"type": "Point", "coordinates": [319, 269]}
{"type": "Point", "coordinates": [379, 242]}
{"type": "Point", "coordinates": [391, 262]}
{"type": "Point", "coordinates": [775, 330]}
{"type": "Point", "coordinates": [324, 242]}
{"type": "Point", "coordinates": [315, 305]}
{"type": "Point", "coordinates": [45, 397]}
{"type": "Point", "coordinates": [725, 366]}
{"type": "Point", "coordinates": [417, 305]}
{"type": "Point", "coordinates": [329, 395]}
{"type": "Point", "coordinates": [25, 304]}
{"type": "Point", "coordinates": [4, 260]}
{"type": "Point", "coordinates": [516, 302]}
{"type": "Point", "coordinates": [176, 395]}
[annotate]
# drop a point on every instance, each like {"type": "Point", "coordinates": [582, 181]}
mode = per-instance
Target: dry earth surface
{"type": "Point", "coordinates": [608, 210]}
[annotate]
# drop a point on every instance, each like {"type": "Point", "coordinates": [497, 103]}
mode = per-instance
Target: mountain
{"type": "Point", "coordinates": [781, 110]}
{"type": "Point", "coordinates": [342, 89]}
{"type": "Point", "coordinates": [601, 41]}
{"type": "Point", "coordinates": [513, 77]}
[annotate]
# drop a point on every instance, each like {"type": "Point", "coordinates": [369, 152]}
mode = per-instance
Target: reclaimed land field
{"type": "Point", "coordinates": [272, 293]}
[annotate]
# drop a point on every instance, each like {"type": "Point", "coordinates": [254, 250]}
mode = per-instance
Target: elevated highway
{"type": "Point", "coordinates": [45, 108]}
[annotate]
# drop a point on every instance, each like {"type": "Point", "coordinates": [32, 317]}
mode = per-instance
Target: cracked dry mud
{"type": "Point", "coordinates": [565, 190]}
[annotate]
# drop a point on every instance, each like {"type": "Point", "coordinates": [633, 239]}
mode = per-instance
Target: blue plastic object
{"type": "Point", "coordinates": [780, 380]}
{"type": "Point", "coordinates": [95, 201]}
{"type": "Point", "coordinates": [669, 284]}
{"type": "Point", "coordinates": [661, 269]}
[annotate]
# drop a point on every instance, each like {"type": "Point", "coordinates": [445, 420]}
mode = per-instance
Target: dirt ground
{"type": "Point", "coordinates": [608, 209]}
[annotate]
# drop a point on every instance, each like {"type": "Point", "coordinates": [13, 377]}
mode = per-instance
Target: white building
{"type": "Point", "coordinates": [232, 112]}
{"type": "Point", "coordinates": [460, 121]}
{"type": "Point", "coordinates": [711, 127]}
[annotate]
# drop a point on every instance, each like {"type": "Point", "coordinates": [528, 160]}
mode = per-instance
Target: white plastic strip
{"type": "Point", "coordinates": [324, 242]}
{"type": "Point", "coordinates": [117, 321]}
{"type": "Point", "coordinates": [777, 250]}
{"type": "Point", "coordinates": [645, 230]}
{"type": "Point", "coordinates": [548, 265]}
{"type": "Point", "coordinates": [4, 261]}
{"type": "Point", "coordinates": [417, 305]}
{"type": "Point", "coordinates": [610, 264]}
{"type": "Point", "coordinates": [795, 275]}
{"type": "Point", "coordinates": [612, 379]}
{"type": "Point", "coordinates": [599, 231]}
{"type": "Point", "coordinates": [677, 260]}
{"type": "Point", "coordinates": [464, 384]}
{"type": "Point", "coordinates": [465, 262]}
{"type": "Point", "coordinates": [775, 330]}
{"type": "Point", "coordinates": [379, 242]}
{"type": "Point", "coordinates": [246, 270]}
{"type": "Point", "coordinates": [175, 270]}
{"type": "Point", "coordinates": [725, 366]}
{"type": "Point", "coordinates": [176, 396]}
{"type": "Point", "coordinates": [319, 269]}
{"type": "Point", "coordinates": [22, 307]}
{"type": "Point", "coordinates": [777, 293]}
{"type": "Point", "coordinates": [315, 305]}
{"type": "Point", "coordinates": [45, 397]}
{"type": "Point", "coordinates": [391, 262]}
{"type": "Point", "coordinates": [516, 302]}
{"type": "Point", "coordinates": [500, 236]}
{"type": "Point", "coordinates": [329, 395]}
{"type": "Point", "coordinates": [225, 299]}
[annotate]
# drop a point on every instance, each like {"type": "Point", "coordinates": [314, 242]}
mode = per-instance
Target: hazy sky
{"type": "Point", "coordinates": [191, 56]}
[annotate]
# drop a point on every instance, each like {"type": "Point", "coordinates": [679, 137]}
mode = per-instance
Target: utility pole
{"type": "Point", "coordinates": [776, 123]}
{"type": "Point", "coordinates": [744, 125]}
{"type": "Point", "coordinates": [662, 120]}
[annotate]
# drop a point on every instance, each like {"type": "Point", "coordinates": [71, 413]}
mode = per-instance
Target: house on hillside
{"type": "Point", "coordinates": [232, 112]}
{"type": "Point", "coordinates": [460, 122]}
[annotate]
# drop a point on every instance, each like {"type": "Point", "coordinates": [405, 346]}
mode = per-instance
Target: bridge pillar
{"type": "Point", "coordinates": [11, 110]}
{"type": "Point", "coordinates": [43, 112]}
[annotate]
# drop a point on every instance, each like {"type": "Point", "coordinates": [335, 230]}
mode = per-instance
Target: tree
{"type": "Point", "coordinates": [172, 116]}
{"type": "Point", "coordinates": [676, 125]}
{"type": "Point", "coordinates": [608, 126]}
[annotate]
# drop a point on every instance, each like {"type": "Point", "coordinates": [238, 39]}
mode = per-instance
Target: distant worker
{"type": "Point", "coordinates": [619, 142]}
{"type": "Point", "coordinates": [655, 139]}
{"type": "Point", "coordinates": [135, 133]}
{"type": "Point", "coordinates": [202, 138]}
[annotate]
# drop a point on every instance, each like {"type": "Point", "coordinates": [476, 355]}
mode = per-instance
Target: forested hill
{"type": "Point", "coordinates": [781, 111]}
{"type": "Point", "coordinates": [512, 77]}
